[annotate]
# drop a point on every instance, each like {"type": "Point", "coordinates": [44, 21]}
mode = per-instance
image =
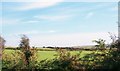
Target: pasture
{"type": "Point", "coordinates": [65, 60]}
{"type": "Point", "coordinates": [47, 54]}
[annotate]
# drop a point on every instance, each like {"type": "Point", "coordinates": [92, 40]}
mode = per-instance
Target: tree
{"type": "Point", "coordinates": [24, 45]}
{"type": "Point", "coordinates": [115, 41]}
{"type": "Point", "coordinates": [100, 43]}
{"type": "Point", "coordinates": [2, 42]}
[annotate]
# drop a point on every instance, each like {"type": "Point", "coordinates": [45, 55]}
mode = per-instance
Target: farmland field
{"type": "Point", "coordinates": [49, 54]}
{"type": "Point", "coordinates": [51, 59]}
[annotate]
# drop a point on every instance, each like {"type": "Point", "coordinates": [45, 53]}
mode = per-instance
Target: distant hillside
{"type": "Point", "coordinates": [87, 46]}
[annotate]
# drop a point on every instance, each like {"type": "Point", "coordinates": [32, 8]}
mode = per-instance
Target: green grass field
{"type": "Point", "coordinates": [46, 59]}
{"type": "Point", "coordinates": [49, 54]}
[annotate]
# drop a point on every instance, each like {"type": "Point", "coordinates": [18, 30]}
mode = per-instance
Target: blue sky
{"type": "Point", "coordinates": [58, 23]}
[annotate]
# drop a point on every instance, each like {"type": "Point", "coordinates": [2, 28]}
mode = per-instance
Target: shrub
{"type": "Point", "coordinates": [100, 43]}
{"type": "Point", "coordinates": [63, 62]}
{"type": "Point", "coordinates": [25, 58]}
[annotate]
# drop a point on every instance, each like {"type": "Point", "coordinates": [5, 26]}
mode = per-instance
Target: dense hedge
{"type": "Point", "coordinates": [64, 61]}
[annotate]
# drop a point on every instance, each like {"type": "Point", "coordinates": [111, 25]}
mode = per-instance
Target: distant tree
{"type": "Point", "coordinates": [100, 43]}
{"type": "Point", "coordinates": [115, 41]}
{"type": "Point", "coordinates": [2, 42]}
{"type": "Point", "coordinates": [24, 43]}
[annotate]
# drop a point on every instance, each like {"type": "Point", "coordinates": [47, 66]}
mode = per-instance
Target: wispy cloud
{"type": "Point", "coordinates": [33, 32]}
{"type": "Point", "coordinates": [31, 21]}
{"type": "Point", "coordinates": [51, 31]}
{"type": "Point", "coordinates": [89, 15]}
{"type": "Point", "coordinates": [71, 15]}
{"type": "Point", "coordinates": [15, 21]}
{"type": "Point", "coordinates": [76, 39]}
{"type": "Point", "coordinates": [9, 21]}
{"type": "Point", "coordinates": [58, 0]}
{"type": "Point", "coordinates": [36, 5]}
{"type": "Point", "coordinates": [1, 21]}
{"type": "Point", "coordinates": [114, 8]}
{"type": "Point", "coordinates": [53, 17]}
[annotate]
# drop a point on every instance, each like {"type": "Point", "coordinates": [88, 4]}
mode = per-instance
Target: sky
{"type": "Point", "coordinates": [58, 23]}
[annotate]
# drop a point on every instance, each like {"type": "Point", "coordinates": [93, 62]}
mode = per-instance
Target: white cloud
{"type": "Point", "coordinates": [13, 21]}
{"type": "Point", "coordinates": [31, 21]}
{"type": "Point", "coordinates": [52, 31]}
{"type": "Point", "coordinates": [9, 21]}
{"type": "Point", "coordinates": [30, 32]}
{"type": "Point", "coordinates": [27, 33]}
{"type": "Point", "coordinates": [91, 0]}
{"type": "Point", "coordinates": [114, 8]}
{"type": "Point", "coordinates": [58, 0]}
{"type": "Point", "coordinates": [89, 15]}
{"type": "Point", "coordinates": [12, 40]}
{"type": "Point", "coordinates": [36, 5]}
{"type": "Point", "coordinates": [34, 32]}
{"type": "Point", "coordinates": [76, 39]}
{"type": "Point", "coordinates": [53, 18]}
{"type": "Point", "coordinates": [1, 21]}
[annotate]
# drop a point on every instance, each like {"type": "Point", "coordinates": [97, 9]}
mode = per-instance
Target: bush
{"type": "Point", "coordinates": [63, 62]}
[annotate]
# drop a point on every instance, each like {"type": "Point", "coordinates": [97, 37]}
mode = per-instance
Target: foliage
{"type": "Point", "coordinates": [26, 58]}
{"type": "Point", "coordinates": [68, 62]}
{"type": "Point", "coordinates": [115, 41]}
{"type": "Point", "coordinates": [10, 61]}
{"type": "Point", "coordinates": [2, 42]}
{"type": "Point", "coordinates": [100, 43]}
{"type": "Point", "coordinates": [17, 60]}
{"type": "Point", "coordinates": [24, 43]}
{"type": "Point", "coordinates": [112, 61]}
{"type": "Point", "coordinates": [63, 62]}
